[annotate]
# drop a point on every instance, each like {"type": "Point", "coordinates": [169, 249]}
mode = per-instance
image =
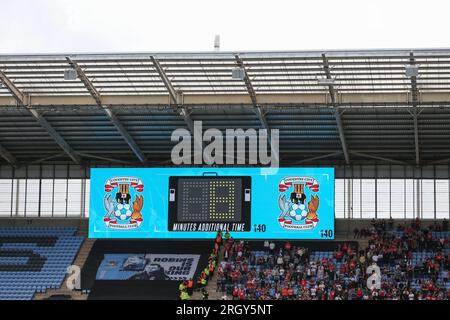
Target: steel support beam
{"type": "Point", "coordinates": [16, 93]}
{"type": "Point", "coordinates": [50, 157]}
{"type": "Point", "coordinates": [184, 113]}
{"type": "Point", "coordinates": [336, 112]}
{"type": "Point", "coordinates": [347, 99]}
{"type": "Point", "coordinates": [173, 94]}
{"type": "Point", "coordinates": [260, 112]}
{"type": "Point", "coordinates": [440, 161]}
{"type": "Point", "coordinates": [248, 84]}
{"type": "Point", "coordinates": [5, 154]}
{"type": "Point", "coordinates": [56, 136]}
{"type": "Point", "coordinates": [21, 101]}
{"type": "Point", "coordinates": [88, 155]}
{"type": "Point", "coordinates": [415, 114]}
{"type": "Point", "coordinates": [187, 119]}
{"type": "Point", "coordinates": [167, 83]}
{"type": "Point", "coordinates": [371, 156]}
{"type": "Point", "coordinates": [251, 92]}
{"type": "Point", "coordinates": [110, 113]}
{"type": "Point", "coordinates": [324, 156]}
{"type": "Point", "coordinates": [416, 137]}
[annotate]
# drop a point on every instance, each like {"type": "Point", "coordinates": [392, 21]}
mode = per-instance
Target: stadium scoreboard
{"type": "Point", "coordinates": [197, 203]}
{"type": "Point", "coordinates": [194, 203]}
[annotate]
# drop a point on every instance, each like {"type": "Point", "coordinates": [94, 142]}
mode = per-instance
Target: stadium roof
{"type": "Point", "coordinates": [331, 107]}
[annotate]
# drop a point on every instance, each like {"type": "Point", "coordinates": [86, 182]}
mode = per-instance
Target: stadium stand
{"type": "Point", "coordinates": [414, 262]}
{"type": "Point", "coordinates": [414, 258]}
{"type": "Point", "coordinates": [383, 131]}
{"type": "Point", "coordinates": [34, 260]}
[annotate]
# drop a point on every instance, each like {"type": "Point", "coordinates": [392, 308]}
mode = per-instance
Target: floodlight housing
{"type": "Point", "coordinates": [70, 74]}
{"type": "Point", "coordinates": [412, 71]}
{"type": "Point", "coordinates": [325, 81]}
{"type": "Point", "coordinates": [238, 73]}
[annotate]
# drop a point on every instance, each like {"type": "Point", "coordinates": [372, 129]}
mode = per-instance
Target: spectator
{"type": "Point", "coordinates": [272, 247]}
{"type": "Point", "coordinates": [293, 273]}
{"type": "Point", "coordinates": [205, 294]}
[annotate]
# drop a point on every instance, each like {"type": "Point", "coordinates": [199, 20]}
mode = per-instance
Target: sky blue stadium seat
{"type": "Point", "coordinates": [22, 285]}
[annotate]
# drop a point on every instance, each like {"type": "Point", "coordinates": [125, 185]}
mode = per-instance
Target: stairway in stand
{"type": "Point", "coordinates": [211, 287]}
{"type": "Point", "coordinates": [81, 258]}
{"type": "Point", "coordinates": [363, 243]}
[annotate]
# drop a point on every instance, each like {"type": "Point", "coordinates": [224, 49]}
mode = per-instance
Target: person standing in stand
{"type": "Point", "coordinates": [184, 295]}
{"type": "Point", "coordinates": [205, 294]}
{"type": "Point", "coordinates": [181, 288]}
{"type": "Point", "coordinates": [190, 286]}
{"type": "Point", "coordinates": [219, 237]}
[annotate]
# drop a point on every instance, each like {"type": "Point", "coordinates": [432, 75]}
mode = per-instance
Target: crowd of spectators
{"type": "Point", "coordinates": [293, 272]}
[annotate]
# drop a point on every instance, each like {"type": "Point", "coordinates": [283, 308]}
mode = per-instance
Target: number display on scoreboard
{"type": "Point", "coordinates": [200, 203]}
{"type": "Point", "coordinates": [194, 203]}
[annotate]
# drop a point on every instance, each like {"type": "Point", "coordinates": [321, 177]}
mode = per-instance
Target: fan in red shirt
{"type": "Point", "coordinates": [350, 252]}
{"type": "Point", "coordinates": [303, 283]}
{"type": "Point", "coordinates": [359, 293]}
{"type": "Point", "coordinates": [332, 294]}
{"type": "Point", "coordinates": [235, 292]}
{"type": "Point", "coordinates": [241, 294]}
{"type": "Point", "coordinates": [287, 246]}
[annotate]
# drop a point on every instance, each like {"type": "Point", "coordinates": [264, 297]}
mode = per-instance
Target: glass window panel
{"type": "Point", "coordinates": [368, 198]}
{"type": "Point", "coordinates": [74, 197]}
{"type": "Point", "coordinates": [47, 198]}
{"type": "Point", "coordinates": [60, 200]}
{"type": "Point", "coordinates": [398, 198]}
{"type": "Point", "coordinates": [32, 198]}
{"type": "Point", "coordinates": [87, 198]}
{"type": "Point", "coordinates": [410, 196]}
{"type": "Point", "coordinates": [5, 197]}
{"type": "Point", "coordinates": [383, 199]}
{"type": "Point", "coordinates": [442, 199]}
{"type": "Point", "coordinates": [356, 198]}
{"type": "Point", "coordinates": [339, 198]}
{"type": "Point", "coordinates": [19, 197]}
{"type": "Point", "coordinates": [427, 203]}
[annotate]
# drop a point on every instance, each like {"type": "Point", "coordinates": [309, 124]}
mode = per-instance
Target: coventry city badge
{"type": "Point", "coordinates": [297, 210]}
{"type": "Point", "coordinates": [122, 212]}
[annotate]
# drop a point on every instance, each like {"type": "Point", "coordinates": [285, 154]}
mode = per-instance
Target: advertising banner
{"type": "Point", "coordinates": [134, 266]}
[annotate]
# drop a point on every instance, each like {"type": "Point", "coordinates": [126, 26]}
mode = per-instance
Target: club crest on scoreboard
{"type": "Point", "coordinates": [123, 202]}
{"type": "Point", "coordinates": [298, 202]}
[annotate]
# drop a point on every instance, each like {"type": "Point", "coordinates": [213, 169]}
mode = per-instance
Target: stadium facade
{"type": "Point", "coordinates": [384, 131]}
{"type": "Point", "coordinates": [380, 118]}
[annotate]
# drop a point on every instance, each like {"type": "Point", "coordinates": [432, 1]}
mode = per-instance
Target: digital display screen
{"type": "Point", "coordinates": [194, 203]}
{"type": "Point", "coordinates": [209, 200]}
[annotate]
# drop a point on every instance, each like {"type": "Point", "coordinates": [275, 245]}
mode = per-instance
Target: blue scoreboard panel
{"type": "Point", "coordinates": [183, 203]}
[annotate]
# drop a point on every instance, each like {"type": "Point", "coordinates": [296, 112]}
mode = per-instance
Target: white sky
{"type": "Point", "coordinates": [46, 26]}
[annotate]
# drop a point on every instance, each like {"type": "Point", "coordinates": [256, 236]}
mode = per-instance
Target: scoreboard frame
{"type": "Point", "coordinates": [245, 206]}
